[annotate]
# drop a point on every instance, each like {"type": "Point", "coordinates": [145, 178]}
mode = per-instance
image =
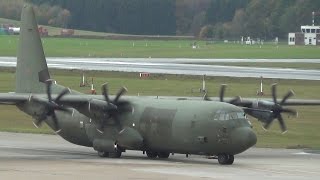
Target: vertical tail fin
{"type": "Point", "coordinates": [32, 70]}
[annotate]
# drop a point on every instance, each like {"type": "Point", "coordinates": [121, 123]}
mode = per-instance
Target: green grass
{"type": "Point", "coordinates": [303, 131]}
{"type": "Point", "coordinates": [73, 47]}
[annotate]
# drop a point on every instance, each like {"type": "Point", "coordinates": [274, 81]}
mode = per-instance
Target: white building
{"type": "Point", "coordinates": [309, 35]}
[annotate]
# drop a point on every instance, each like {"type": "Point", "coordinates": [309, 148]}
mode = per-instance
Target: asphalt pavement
{"type": "Point", "coordinates": [178, 67]}
{"type": "Point", "coordinates": [34, 156]}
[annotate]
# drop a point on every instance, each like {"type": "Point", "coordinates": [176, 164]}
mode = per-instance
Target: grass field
{"type": "Point", "coordinates": [73, 47]}
{"type": "Point", "coordinates": [303, 131]}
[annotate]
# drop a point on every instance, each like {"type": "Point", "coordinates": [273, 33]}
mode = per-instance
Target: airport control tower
{"type": "Point", "coordinates": [309, 35]}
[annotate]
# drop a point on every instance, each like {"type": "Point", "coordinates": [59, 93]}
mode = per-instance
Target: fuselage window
{"type": "Point", "coordinates": [222, 117]}
{"type": "Point", "coordinates": [233, 115]}
{"type": "Point", "coordinates": [216, 116]}
{"type": "Point", "coordinates": [241, 115]}
{"type": "Point", "coordinates": [227, 117]}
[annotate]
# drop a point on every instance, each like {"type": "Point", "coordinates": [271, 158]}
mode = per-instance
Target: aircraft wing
{"type": "Point", "coordinates": [17, 98]}
{"type": "Point", "coordinates": [248, 102]}
{"type": "Point", "coordinates": [13, 98]}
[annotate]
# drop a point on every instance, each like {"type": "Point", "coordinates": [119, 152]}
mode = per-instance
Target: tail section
{"type": "Point", "coordinates": [32, 70]}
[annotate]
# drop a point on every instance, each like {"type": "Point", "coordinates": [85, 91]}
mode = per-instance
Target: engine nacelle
{"type": "Point", "coordinates": [130, 138]}
{"type": "Point", "coordinates": [98, 109]}
{"type": "Point", "coordinates": [264, 117]}
{"type": "Point", "coordinates": [260, 104]}
{"type": "Point", "coordinates": [105, 145]}
{"type": "Point", "coordinates": [36, 109]}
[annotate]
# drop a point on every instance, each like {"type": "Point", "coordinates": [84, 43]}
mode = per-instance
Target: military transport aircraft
{"type": "Point", "coordinates": [113, 124]}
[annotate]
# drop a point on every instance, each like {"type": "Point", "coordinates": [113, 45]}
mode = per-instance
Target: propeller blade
{"type": "Point", "coordinates": [120, 93]}
{"type": "Point", "coordinates": [282, 124]}
{"type": "Point", "coordinates": [222, 91]}
{"type": "Point", "coordinates": [274, 92]}
{"type": "Point", "coordinates": [55, 122]}
{"type": "Point", "coordinates": [37, 123]}
{"type": "Point", "coordinates": [290, 111]}
{"type": "Point", "coordinates": [100, 127]}
{"type": "Point", "coordinates": [63, 93]}
{"type": "Point", "coordinates": [286, 97]}
{"type": "Point", "coordinates": [205, 97]}
{"type": "Point", "coordinates": [267, 125]}
{"type": "Point", "coordinates": [105, 92]}
{"type": "Point", "coordinates": [48, 89]}
{"type": "Point", "coordinates": [235, 99]}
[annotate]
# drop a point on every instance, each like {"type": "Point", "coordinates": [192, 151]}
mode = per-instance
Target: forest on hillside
{"type": "Point", "coordinates": [219, 19]}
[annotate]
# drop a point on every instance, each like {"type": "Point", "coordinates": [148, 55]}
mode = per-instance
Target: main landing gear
{"type": "Point", "coordinates": [154, 154]}
{"type": "Point", "coordinates": [116, 154]}
{"type": "Point", "coordinates": [225, 159]}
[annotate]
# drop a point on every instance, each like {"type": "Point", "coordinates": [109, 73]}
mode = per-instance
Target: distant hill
{"type": "Point", "coordinates": [218, 19]}
{"type": "Point", "coordinates": [54, 31]}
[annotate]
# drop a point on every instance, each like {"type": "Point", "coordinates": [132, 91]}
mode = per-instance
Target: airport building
{"type": "Point", "coordinates": [309, 35]}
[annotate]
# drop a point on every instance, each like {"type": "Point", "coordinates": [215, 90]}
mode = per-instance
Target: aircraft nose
{"type": "Point", "coordinates": [243, 138]}
{"type": "Point", "coordinates": [251, 138]}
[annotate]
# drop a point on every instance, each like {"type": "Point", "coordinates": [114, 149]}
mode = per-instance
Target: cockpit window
{"type": "Point", "coordinates": [241, 115]}
{"type": "Point", "coordinates": [233, 115]}
{"type": "Point", "coordinates": [224, 116]}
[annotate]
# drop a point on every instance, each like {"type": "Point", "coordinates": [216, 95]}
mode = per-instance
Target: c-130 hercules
{"type": "Point", "coordinates": [113, 124]}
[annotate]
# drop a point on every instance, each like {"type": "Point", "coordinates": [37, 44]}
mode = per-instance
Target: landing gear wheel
{"type": "Point", "coordinates": [152, 154]}
{"type": "Point", "coordinates": [163, 155]}
{"type": "Point", "coordinates": [103, 154]}
{"type": "Point", "coordinates": [230, 160]}
{"type": "Point", "coordinates": [115, 154]}
{"type": "Point", "coordinates": [225, 159]}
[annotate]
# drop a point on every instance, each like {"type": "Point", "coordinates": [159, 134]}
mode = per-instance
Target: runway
{"type": "Point", "coordinates": [31, 156]}
{"type": "Point", "coordinates": [173, 60]}
{"type": "Point", "coordinates": [177, 66]}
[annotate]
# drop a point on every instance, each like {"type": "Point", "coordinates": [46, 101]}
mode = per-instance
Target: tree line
{"type": "Point", "coordinates": [219, 19]}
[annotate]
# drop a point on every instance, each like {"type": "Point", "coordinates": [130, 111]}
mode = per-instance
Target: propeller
{"type": "Point", "coordinates": [278, 109]}
{"type": "Point", "coordinates": [221, 96]}
{"type": "Point", "coordinates": [51, 106]}
{"type": "Point", "coordinates": [117, 105]}
{"type": "Point", "coordinates": [222, 93]}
